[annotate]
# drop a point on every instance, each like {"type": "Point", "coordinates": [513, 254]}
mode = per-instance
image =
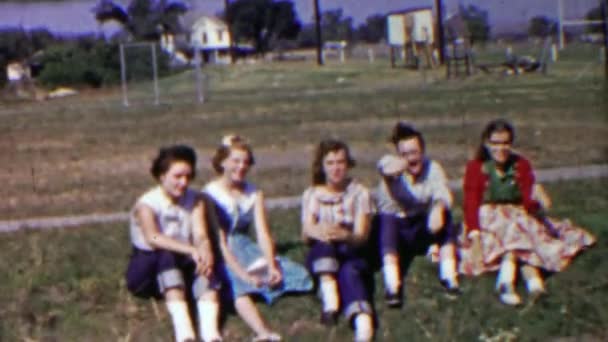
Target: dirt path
{"type": "Point", "coordinates": [544, 176]}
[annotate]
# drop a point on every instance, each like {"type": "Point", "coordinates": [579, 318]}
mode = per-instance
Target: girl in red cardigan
{"type": "Point", "coordinates": [504, 221]}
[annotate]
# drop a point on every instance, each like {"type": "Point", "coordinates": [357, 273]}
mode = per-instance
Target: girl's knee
{"type": "Point", "coordinates": [174, 294]}
{"type": "Point", "coordinates": [390, 259]}
{"type": "Point", "coordinates": [209, 296]}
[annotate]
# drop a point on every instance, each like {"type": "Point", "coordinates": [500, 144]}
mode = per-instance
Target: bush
{"type": "Point", "coordinates": [67, 64]}
{"type": "Point", "coordinates": [96, 63]}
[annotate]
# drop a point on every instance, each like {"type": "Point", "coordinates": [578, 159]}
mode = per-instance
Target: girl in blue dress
{"type": "Point", "coordinates": [251, 268]}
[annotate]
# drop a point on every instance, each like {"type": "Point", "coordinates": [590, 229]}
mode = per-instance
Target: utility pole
{"type": "Point", "coordinates": [604, 9]}
{"type": "Point", "coordinates": [230, 35]}
{"type": "Point", "coordinates": [318, 31]}
{"type": "Point", "coordinates": [560, 24]}
{"type": "Point", "coordinates": [440, 30]}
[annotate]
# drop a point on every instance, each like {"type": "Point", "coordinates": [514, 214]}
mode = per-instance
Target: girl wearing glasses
{"type": "Point", "coordinates": [504, 219]}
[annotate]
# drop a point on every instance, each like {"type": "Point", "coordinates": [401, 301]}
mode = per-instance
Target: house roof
{"type": "Point", "coordinates": [196, 18]}
{"type": "Point", "coordinates": [208, 19]}
{"type": "Point", "coordinates": [410, 10]}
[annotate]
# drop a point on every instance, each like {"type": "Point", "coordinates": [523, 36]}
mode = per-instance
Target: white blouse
{"type": "Point", "coordinates": [429, 187]}
{"type": "Point", "coordinates": [173, 219]}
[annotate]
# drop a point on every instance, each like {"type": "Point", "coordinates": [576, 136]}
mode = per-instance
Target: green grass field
{"type": "Point", "coordinates": [88, 154]}
{"type": "Point", "coordinates": [68, 285]}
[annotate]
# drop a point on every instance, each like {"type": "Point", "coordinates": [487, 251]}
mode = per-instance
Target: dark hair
{"type": "Point", "coordinates": [324, 148]}
{"type": "Point", "coordinates": [403, 131]}
{"type": "Point", "coordinates": [230, 142]}
{"type": "Point", "coordinates": [170, 154]}
{"type": "Point", "coordinates": [498, 125]}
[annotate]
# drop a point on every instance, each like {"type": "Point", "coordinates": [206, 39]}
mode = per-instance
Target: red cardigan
{"type": "Point", "coordinates": [475, 183]}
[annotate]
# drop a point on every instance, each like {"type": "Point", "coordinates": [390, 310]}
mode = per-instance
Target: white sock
{"type": "Point", "coordinates": [535, 285]}
{"type": "Point", "coordinates": [182, 325]}
{"type": "Point", "coordinates": [392, 280]}
{"type": "Point", "coordinates": [208, 316]}
{"type": "Point", "coordinates": [447, 264]}
{"type": "Point", "coordinates": [447, 271]}
{"type": "Point", "coordinates": [329, 293]}
{"type": "Point", "coordinates": [506, 274]}
{"type": "Point", "coordinates": [364, 327]}
{"type": "Point", "coordinates": [534, 281]}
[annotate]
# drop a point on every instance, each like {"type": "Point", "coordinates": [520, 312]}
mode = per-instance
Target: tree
{"type": "Point", "coordinates": [373, 30]}
{"type": "Point", "coordinates": [307, 37]}
{"type": "Point", "coordinates": [335, 27]}
{"type": "Point", "coordinates": [263, 22]}
{"type": "Point", "coordinates": [477, 23]}
{"type": "Point", "coordinates": [594, 14]}
{"type": "Point", "coordinates": [143, 19]}
{"type": "Point", "coordinates": [541, 26]}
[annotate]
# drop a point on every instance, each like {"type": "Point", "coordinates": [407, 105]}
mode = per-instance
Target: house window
{"type": "Point", "coordinates": [220, 35]}
{"type": "Point", "coordinates": [205, 38]}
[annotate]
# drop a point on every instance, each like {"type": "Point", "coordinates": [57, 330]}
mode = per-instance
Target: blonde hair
{"type": "Point", "coordinates": [230, 142]}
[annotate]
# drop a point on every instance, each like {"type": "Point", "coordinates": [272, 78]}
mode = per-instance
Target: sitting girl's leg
{"type": "Point", "coordinates": [534, 281]}
{"type": "Point", "coordinates": [177, 306]}
{"type": "Point", "coordinates": [389, 238]}
{"type": "Point", "coordinates": [323, 263]}
{"type": "Point", "coordinates": [364, 327]}
{"type": "Point", "coordinates": [208, 309]}
{"type": "Point", "coordinates": [205, 292]}
{"type": "Point", "coordinates": [171, 284]}
{"type": "Point", "coordinates": [448, 276]}
{"type": "Point", "coordinates": [328, 287]}
{"type": "Point", "coordinates": [392, 278]}
{"type": "Point", "coordinates": [355, 298]}
{"type": "Point", "coordinates": [157, 273]}
{"type": "Point", "coordinates": [249, 313]}
{"type": "Point", "coordinates": [505, 282]}
{"type": "Point", "coordinates": [447, 267]}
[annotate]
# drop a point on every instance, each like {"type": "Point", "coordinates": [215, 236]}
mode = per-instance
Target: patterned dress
{"type": "Point", "coordinates": [502, 208]}
{"type": "Point", "coordinates": [235, 218]}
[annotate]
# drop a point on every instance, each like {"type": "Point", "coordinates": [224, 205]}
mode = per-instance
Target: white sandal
{"type": "Point", "coordinates": [269, 337]}
{"type": "Point", "coordinates": [508, 296]}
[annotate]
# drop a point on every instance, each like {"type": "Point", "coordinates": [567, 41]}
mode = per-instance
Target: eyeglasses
{"type": "Point", "coordinates": [499, 143]}
{"type": "Point", "coordinates": [411, 153]}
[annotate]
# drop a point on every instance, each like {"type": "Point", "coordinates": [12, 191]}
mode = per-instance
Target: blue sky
{"type": "Point", "coordinates": [75, 15]}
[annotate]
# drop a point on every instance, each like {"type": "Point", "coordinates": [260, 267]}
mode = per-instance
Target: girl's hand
{"type": "Point", "coordinates": [477, 253]}
{"type": "Point", "coordinates": [254, 280]}
{"type": "Point", "coordinates": [198, 260]}
{"type": "Point", "coordinates": [323, 233]}
{"type": "Point", "coordinates": [275, 276]}
{"type": "Point", "coordinates": [206, 262]}
{"type": "Point", "coordinates": [391, 166]}
{"type": "Point", "coordinates": [435, 220]}
{"type": "Point", "coordinates": [338, 234]}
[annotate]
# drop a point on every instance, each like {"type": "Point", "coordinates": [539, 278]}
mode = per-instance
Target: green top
{"type": "Point", "coordinates": [501, 188]}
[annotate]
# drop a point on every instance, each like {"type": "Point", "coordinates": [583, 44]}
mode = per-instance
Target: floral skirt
{"type": "Point", "coordinates": [550, 244]}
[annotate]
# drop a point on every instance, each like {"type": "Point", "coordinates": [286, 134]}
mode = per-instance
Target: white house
{"type": "Point", "coordinates": [411, 31]}
{"type": "Point", "coordinates": [411, 25]}
{"type": "Point", "coordinates": [211, 36]}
